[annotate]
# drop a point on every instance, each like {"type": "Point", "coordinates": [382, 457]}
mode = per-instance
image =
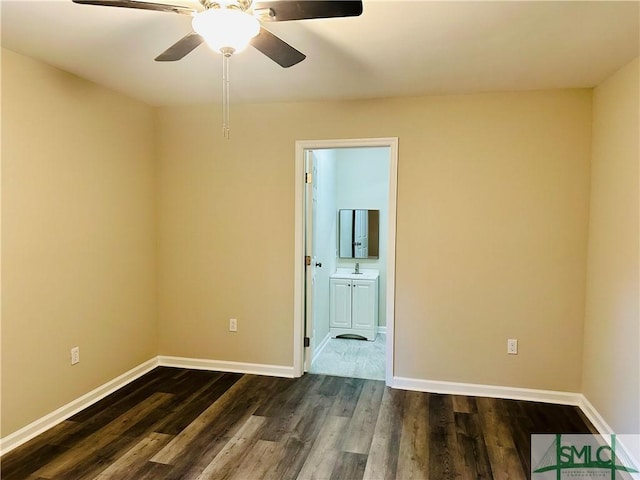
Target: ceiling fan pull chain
{"type": "Point", "coordinates": [226, 58]}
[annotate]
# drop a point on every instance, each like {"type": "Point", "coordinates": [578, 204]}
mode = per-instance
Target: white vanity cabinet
{"type": "Point", "coordinates": [354, 304]}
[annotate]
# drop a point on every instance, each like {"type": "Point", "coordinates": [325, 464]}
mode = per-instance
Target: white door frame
{"type": "Point", "coordinates": [299, 273]}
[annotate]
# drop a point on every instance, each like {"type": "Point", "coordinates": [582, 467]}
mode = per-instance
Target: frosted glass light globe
{"type": "Point", "coordinates": [226, 28]}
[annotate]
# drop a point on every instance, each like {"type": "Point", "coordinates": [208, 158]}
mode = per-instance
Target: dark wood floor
{"type": "Point", "coordinates": [189, 424]}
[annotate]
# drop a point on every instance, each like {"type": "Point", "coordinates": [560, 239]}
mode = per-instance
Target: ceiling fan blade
{"type": "Point", "coordinates": [277, 49]}
{"type": "Point", "coordinates": [283, 10]}
{"type": "Point", "coordinates": [158, 7]}
{"type": "Point", "coordinates": [181, 48]}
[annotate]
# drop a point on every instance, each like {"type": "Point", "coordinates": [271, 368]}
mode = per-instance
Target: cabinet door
{"type": "Point", "coordinates": [364, 304]}
{"type": "Point", "coordinates": [340, 302]}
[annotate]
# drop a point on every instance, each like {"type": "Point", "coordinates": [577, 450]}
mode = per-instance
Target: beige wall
{"type": "Point", "coordinates": [78, 237]}
{"type": "Point", "coordinates": [491, 231]}
{"type": "Point", "coordinates": [612, 325]}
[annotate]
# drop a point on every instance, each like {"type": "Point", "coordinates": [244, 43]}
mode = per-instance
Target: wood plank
{"type": "Point", "coordinates": [181, 383]}
{"type": "Point", "coordinates": [196, 403]}
{"type": "Point", "coordinates": [445, 460]}
{"type": "Point", "coordinates": [16, 468]}
{"type": "Point", "coordinates": [311, 415]}
{"type": "Point", "coordinates": [56, 435]}
{"type": "Point", "coordinates": [325, 450]}
{"type": "Point", "coordinates": [289, 394]}
{"type": "Point", "coordinates": [501, 450]}
{"type": "Point", "coordinates": [284, 465]}
{"type": "Point", "coordinates": [153, 471]}
{"type": "Point", "coordinates": [292, 449]}
{"type": "Point", "coordinates": [331, 386]}
{"type": "Point", "coordinates": [301, 429]}
{"type": "Point", "coordinates": [347, 398]}
{"type": "Point", "coordinates": [136, 458]}
{"type": "Point", "coordinates": [104, 412]}
{"type": "Point", "coordinates": [362, 425]}
{"type": "Point", "coordinates": [114, 446]}
{"type": "Point", "coordinates": [474, 457]}
{"type": "Point", "coordinates": [40, 450]}
{"type": "Point", "coordinates": [382, 461]}
{"type": "Point", "coordinates": [115, 404]}
{"type": "Point", "coordinates": [227, 413]}
{"type": "Point", "coordinates": [98, 441]}
{"type": "Point", "coordinates": [462, 404]}
{"type": "Point", "coordinates": [227, 461]}
{"type": "Point", "coordinates": [521, 427]}
{"type": "Point", "coordinates": [413, 454]}
{"type": "Point", "coordinates": [349, 466]}
{"type": "Point", "coordinates": [308, 423]}
{"type": "Point", "coordinates": [258, 461]}
{"type": "Point", "coordinates": [201, 453]}
{"type": "Point", "coordinates": [286, 408]}
{"type": "Point", "coordinates": [293, 454]}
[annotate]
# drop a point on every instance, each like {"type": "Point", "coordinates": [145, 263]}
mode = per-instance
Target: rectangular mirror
{"type": "Point", "coordinates": [358, 233]}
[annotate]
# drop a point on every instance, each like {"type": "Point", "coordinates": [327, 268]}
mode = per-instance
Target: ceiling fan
{"type": "Point", "coordinates": [228, 26]}
{"type": "Point", "coordinates": [232, 24]}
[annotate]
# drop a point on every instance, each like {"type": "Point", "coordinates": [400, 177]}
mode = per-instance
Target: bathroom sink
{"type": "Point", "coordinates": [364, 274]}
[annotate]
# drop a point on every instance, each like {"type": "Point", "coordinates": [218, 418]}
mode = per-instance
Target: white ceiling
{"type": "Point", "coordinates": [396, 48]}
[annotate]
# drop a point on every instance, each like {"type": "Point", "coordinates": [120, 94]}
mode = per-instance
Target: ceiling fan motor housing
{"type": "Point", "coordinates": [244, 5]}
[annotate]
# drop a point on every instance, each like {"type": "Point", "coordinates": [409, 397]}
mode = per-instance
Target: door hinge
{"type": "Point", "coordinates": [308, 177]}
{"type": "Point", "coordinates": [307, 260]}
{"type": "Point", "coordinates": [307, 342]}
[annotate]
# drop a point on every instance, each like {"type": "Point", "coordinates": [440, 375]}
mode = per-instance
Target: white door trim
{"type": "Point", "coordinates": [299, 273]}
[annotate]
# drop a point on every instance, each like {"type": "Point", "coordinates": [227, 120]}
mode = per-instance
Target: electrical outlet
{"type": "Point", "coordinates": [233, 325]}
{"type": "Point", "coordinates": [512, 346]}
{"type": "Point", "coordinates": [75, 355]}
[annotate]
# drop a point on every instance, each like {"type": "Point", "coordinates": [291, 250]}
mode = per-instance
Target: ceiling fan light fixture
{"type": "Point", "coordinates": [225, 29]}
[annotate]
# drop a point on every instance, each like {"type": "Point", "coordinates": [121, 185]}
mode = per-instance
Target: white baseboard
{"type": "Point", "coordinates": [479, 390]}
{"type": "Point", "coordinates": [320, 347]}
{"type": "Point", "coordinates": [594, 416]}
{"type": "Point", "coordinates": [225, 366]}
{"type": "Point", "coordinates": [629, 443]}
{"type": "Point", "coordinates": [50, 420]}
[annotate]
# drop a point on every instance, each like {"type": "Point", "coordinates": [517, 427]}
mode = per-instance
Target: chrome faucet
{"type": "Point", "coordinates": [357, 268]}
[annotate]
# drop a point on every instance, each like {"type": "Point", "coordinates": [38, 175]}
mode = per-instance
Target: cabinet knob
{"type": "Point", "coordinates": [319, 264]}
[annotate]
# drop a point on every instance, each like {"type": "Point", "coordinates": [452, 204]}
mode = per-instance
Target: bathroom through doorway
{"type": "Point", "coordinates": [345, 229]}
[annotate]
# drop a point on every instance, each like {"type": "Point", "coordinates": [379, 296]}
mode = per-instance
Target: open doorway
{"type": "Point", "coordinates": [345, 257]}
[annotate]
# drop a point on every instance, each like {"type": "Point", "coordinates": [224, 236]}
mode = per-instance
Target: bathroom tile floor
{"type": "Point", "coordinates": [348, 357]}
